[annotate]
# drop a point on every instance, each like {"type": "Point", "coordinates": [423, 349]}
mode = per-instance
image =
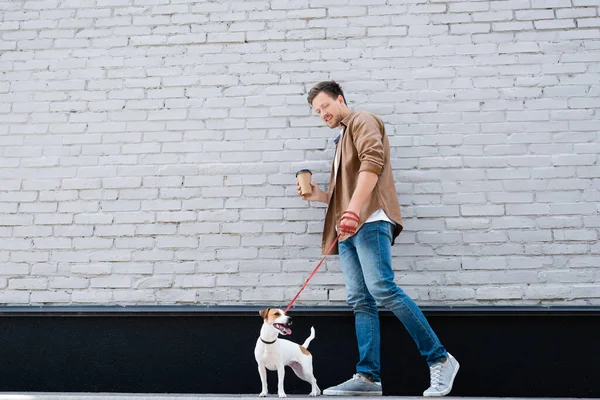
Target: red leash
{"type": "Point", "coordinates": [312, 274]}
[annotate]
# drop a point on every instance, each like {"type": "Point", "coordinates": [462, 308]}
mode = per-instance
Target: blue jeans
{"type": "Point", "coordinates": [366, 261]}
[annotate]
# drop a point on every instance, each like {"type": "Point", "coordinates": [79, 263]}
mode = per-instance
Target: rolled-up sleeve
{"type": "Point", "coordinates": [368, 140]}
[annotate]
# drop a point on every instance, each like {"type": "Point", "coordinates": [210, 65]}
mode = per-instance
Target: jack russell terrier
{"type": "Point", "coordinates": [275, 354]}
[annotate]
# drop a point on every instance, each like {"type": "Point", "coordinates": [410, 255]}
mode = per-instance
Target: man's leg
{"type": "Point", "coordinates": [373, 244]}
{"type": "Point", "coordinates": [366, 316]}
{"type": "Point", "coordinates": [366, 319]}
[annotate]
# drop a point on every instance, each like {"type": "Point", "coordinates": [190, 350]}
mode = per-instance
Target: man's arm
{"type": "Point", "coordinates": [364, 187]}
{"type": "Point", "coordinates": [350, 218]}
{"type": "Point", "coordinates": [367, 138]}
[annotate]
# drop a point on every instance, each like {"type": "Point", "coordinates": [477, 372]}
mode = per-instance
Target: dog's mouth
{"type": "Point", "coordinates": [284, 329]}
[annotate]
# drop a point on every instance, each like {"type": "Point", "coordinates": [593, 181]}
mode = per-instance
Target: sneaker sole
{"type": "Point", "coordinates": [350, 393]}
{"type": "Point", "coordinates": [445, 392]}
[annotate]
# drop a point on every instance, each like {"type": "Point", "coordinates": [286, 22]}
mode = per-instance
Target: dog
{"type": "Point", "coordinates": [275, 354]}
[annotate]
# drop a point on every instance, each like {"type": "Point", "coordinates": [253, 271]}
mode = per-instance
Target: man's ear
{"type": "Point", "coordinates": [341, 99]}
{"type": "Point", "coordinates": [264, 313]}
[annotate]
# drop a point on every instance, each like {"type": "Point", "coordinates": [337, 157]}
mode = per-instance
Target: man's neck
{"type": "Point", "coordinates": [345, 112]}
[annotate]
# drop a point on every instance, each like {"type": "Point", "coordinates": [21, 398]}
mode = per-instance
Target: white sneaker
{"type": "Point", "coordinates": [442, 377]}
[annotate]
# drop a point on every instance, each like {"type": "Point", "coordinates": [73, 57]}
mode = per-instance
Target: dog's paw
{"type": "Point", "coordinates": [282, 395]}
{"type": "Point", "coordinates": [314, 394]}
{"type": "Point", "coordinates": [262, 394]}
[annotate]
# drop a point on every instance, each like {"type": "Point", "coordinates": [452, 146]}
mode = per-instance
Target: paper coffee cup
{"type": "Point", "coordinates": [304, 177]}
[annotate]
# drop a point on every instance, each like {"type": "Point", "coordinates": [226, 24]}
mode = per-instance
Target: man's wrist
{"type": "Point", "coordinates": [354, 210]}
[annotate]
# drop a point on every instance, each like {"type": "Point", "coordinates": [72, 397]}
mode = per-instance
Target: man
{"type": "Point", "coordinates": [363, 208]}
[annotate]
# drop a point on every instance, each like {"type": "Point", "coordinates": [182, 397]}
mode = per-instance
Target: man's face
{"type": "Point", "coordinates": [329, 109]}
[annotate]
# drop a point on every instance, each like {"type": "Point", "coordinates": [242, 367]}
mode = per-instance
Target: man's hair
{"type": "Point", "coordinates": [330, 87]}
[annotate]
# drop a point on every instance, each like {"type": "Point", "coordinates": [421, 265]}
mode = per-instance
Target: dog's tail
{"type": "Point", "coordinates": [310, 338]}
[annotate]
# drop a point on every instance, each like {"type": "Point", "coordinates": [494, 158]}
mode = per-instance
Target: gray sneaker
{"type": "Point", "coordinates": [442, 377]}
{"type": "Point", "coordinates": [355, 387]}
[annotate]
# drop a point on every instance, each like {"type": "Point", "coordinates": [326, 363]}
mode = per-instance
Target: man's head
{"type": "Point", "coordinates": [328, 101]}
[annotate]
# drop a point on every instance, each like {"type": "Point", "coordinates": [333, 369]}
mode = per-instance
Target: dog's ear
{"type": "Point", "coordinates": [264, 313]}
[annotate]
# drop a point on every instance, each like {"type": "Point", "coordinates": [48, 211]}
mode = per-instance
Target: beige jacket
{"type": "Point", "coordinates": [364, 147]}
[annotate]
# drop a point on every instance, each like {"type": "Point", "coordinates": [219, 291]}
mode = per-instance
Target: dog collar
{"type": "Point", "coordinates": [265, 342]}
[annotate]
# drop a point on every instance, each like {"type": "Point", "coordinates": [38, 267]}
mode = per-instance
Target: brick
{"type": "Point", "coordinates": [509, 4]}
{"type": "Point", "coordinates": [92, 297]}
{"type": "Point", "coordinates": [451, 293]}
{"type": "Point", "coordinates": [512, 26]}
{"type": "Point", "coordinates": [575, 12]}
{"type": "Point", "coordinates": [47, 297]}
{"type": "Point", "coordinates": [14, 297]}
{"type": "Point", "coordinates": [171, 296]}
{"type": "Point", "coordinates": [27, 284]}
{"type": "Point", "coordinates": [195, 281]}
{"type": "Point", "coordinates": [550, 3]}
{"type": "Point", "coordinates": [546, 292]}
{"type": "Point", "coordinates": [468, 7]}
{"type": "Point", "coordinates": [555, 24]}
{"type": "Point", "coordinates": [502, 292]}
{"type": "Point", "coordinates": [576, 235]}
{"type": "Point", "coordinates": [533, 14]}
{"type": "Point", "coordinates": [263, 295]}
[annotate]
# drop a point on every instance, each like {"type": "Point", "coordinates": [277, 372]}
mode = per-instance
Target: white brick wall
{"type": "Point", "coordinates": [148, 147]}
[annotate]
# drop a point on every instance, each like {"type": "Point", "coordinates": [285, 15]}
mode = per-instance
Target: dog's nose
{"type": "Point", "coordinates": [289, 321]}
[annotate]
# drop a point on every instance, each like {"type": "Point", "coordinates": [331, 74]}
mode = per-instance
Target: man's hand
{"type": "Point", "coordinates": [316, 195]}
{"type": "Point", "coordinates": [349, 224]}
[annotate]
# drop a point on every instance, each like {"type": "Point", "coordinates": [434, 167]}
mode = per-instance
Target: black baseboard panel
{"type": "Point", "coordinates": [503, 351]}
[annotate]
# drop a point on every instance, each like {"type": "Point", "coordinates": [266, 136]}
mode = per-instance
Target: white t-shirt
{"type": "Point", "coordinates": [378, 215]}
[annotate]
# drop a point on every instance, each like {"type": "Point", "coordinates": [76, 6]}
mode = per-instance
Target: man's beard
{"type": "Point", "coordinates": [334, 121]}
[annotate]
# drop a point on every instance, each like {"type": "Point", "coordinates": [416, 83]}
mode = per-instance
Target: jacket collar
{"type": "Point", "coordinates": [344, 122]}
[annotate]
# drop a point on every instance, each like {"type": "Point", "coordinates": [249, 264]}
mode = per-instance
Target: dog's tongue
{"type": "Point", "coordinates": [284, 329]}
